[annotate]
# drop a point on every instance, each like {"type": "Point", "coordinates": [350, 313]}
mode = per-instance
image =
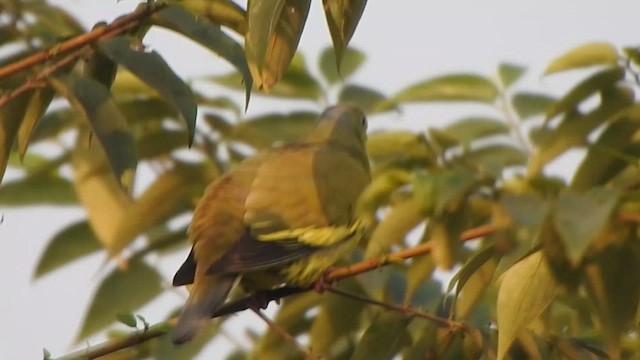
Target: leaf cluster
{"type": "Point", "coordinates": [557, 276]}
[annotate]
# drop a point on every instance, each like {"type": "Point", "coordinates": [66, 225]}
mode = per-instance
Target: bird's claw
{"type": "Point", "coordinates": [323, 283]}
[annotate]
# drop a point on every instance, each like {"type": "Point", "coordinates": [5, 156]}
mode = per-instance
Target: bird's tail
{"type": "Point", "coordinates": [206, 296]}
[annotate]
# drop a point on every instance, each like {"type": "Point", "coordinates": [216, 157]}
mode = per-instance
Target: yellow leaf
{"type": "Point", "coordinates": [595, 53]}
{"type": "Point", "coordinates": [527, 289]}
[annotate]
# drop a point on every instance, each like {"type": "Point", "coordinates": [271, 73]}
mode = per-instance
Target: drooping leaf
{"type": "Point", "coordinates": [608, 155]}
{"type": "Point", "coordinates": [128, 319]}
{"type": "Point", "coordinates": [153, 70]}
{"type": "Point", "coordinates": [342, 19]}
{"type": "Point", "coordinates": [579, 218]}
{"type": "Point", "coordinates": [526, 290]}
{"type": "Point", "coordinates": [528, 104]}
{"type": "Point", "coordinates": [595, 53]}
{"type": "Point", "coordinates": [159, 201]}
{"type": "Point", "coordinates": [588, 87]}
{"type": "Point", "coordinates": [576, 127]}
{"type": "Point", "coordinates": [94, 101]}
{"type": "Point", "coordinates": [271, 41]}
{"type": "Point", "coordinates": [611, 281]}
{"type": "Point", "coordinates": [121, 291]}
{"type": "Point", "coordinates": [38, 104]}
{"type": "Point", "coordinates": [401, 219]}
{"type": "Point", "coordinates": [53, 123]}
{"type": "Point", "coordinates": [224, 12]}
{"type": "Point", "coordinates": [386, 335]}
{"type": "Point", "coordinates": [38, 189]}
{"type": "Point", "coordinates": [352, 59]}
{"type": "Point", "coordinates": [10, 114]}
{"type": "Point", "coordinates": [97, 190]}
{"type": "Point", "coordinates": [208, 35]}
{"type": "Point", "coordinates": [452, 185]}
{"type": "Point", "coordinates": [473, 279]}
{"type": "Point", "coordinates": [456, 87]}
{"type": "Point", "coordinates": [158, 143]}
{"type": "Point", "coordinates": [510, 73]}
{"type": "Point", "coordinates": [69, 244]}
{"type": "Point", "coordinates": [378, 192]}
{"type": "Point", "coordinates": [418, 273]}
{"type": "Point", "coordinates": [265, 130]}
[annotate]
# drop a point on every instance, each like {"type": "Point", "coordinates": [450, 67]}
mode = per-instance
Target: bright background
{"type": "Point", "coordinates": [405, 41]}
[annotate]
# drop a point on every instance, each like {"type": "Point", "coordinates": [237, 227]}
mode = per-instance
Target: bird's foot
{"type": "Point", "coordinates": [260, 300]}
{"type": "Point", "coordinates": [323, 283]}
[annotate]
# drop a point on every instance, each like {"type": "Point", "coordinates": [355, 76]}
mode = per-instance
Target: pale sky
{"type": "Point", "coordinates": [405, 40]}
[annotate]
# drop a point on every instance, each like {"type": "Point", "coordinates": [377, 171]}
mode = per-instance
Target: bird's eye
{"type": "Point", "coordinates": [364, 122]}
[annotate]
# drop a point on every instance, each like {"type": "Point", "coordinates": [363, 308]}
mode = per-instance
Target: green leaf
{"type": "Point", "coordinates": [473, 279]}
{"type": "Point", "coordinates": [274, 31]}
{"type": "Point", "coordinates": [153, 70]}
{"type": "Point", "coordinates": [94, 101]}
{"type": "Point", "coordinates": [265, 130]}
{"type": "Point", "coordinates": [69, 244]}
{"type": "Point", "coordinates": [342, 19]}
{"type": "Point", "coordinates": [528, 104]}
{"type": "Point", "coordinates": [10, 114]}
{"type": "Point", "coordinates": [510, 73]}
{"type": "Point", "coordinates": [208, 35]}
{"type": "Point", "coordinates": [580, 218]}
{"type": "Point", "coordinates": [38, 189]}
{"type": "Point", "coordinates": [120, 291]}
{"type": "Point", "coordinates": [53, 123]}
{"type": "Point", "coordinates": [611, 278]}
{"type": "Point", "coordinates": [158, 202]}
{"type": "Point", "coordinates": [452, 186]}
{"type": "Point", "coordinates": [456, 87]}
{"type": "Point", "coordinates": [296, 83]}
{"type": "Point", "coordinates": [394, 227]}
{"type": "Point", "coordinates": [352, 59]}
{"type": "Point", "coordinates": [38, 104]}
{"type": "Point", "coordinates": [418, 274]}
{"type": "Point", "coordinates": [493, 159]}
{"type": "Point", "coordinates": [97, 189]}
{"type": "Point", "coordinates": [367, 99]}
{"type": "Point", "coordinates": [526, 290]}
{"type": "Point", "coordinates": [591, 54]}
{"type": "Point", "coordinates": [128, 319]}
{"type": "Point", "coordinates": [399, 147]}
{"type": "Point", "coordinates": [575, 128]}
{"type": "Point", "coordinates": [386, 335]}
{"type": "Point", "coordinates": [160, 142]}
{"type": "Point", "coordinates": [586, 88]}
{"type": "Point", "coordinates": [468, 129]}
{"type": "Point", "coordinates": [609, 154]}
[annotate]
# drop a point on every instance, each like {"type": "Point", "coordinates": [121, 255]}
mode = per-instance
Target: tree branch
{"type": "Point", "coordinates": [118, 26]}
{"type": "Point", "coordinates": [263, 298]}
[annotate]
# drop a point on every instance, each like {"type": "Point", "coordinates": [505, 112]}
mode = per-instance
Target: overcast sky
{"type": "Point", "coordinates": [405, 41]}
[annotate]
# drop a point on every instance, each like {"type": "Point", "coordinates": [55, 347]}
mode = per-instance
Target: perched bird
{"type": "Point", "coordinates": [281, 217]}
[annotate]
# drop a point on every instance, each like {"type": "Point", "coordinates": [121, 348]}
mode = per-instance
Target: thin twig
{"type": "Point", "coordinates": [455, 325]}
{"type": "Point", "coordinates": [38, 81]}
{"type": "Point", "coordinates": [116, 27]}
{"type": "Point", "coordinates": [285, 335]}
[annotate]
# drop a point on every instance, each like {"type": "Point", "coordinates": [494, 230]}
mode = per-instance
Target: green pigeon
{"type": "Point", "coordinates": [281, 217]}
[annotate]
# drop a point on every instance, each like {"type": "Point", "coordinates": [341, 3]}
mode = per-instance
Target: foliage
{"type": "Point", "coordinates": [555, 277]}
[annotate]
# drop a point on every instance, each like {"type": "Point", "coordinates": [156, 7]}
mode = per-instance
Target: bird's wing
{"type": "Point", "coordinates": [302, 199]}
